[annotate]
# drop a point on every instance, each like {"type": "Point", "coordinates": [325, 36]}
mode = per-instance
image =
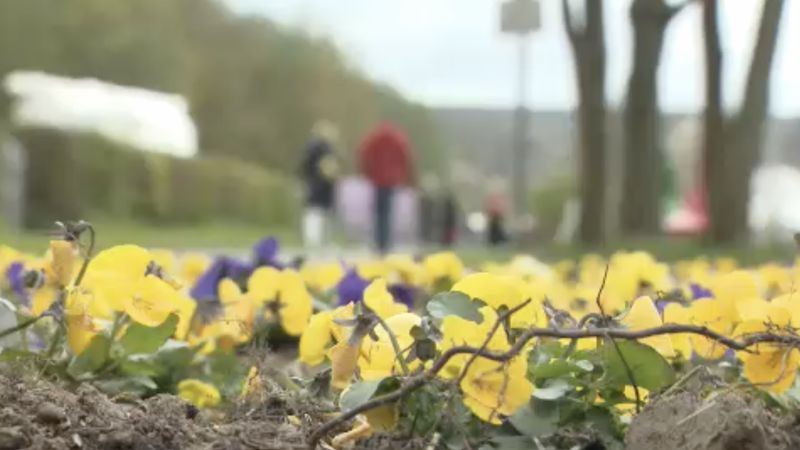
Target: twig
{"type": "Point", "coordinates": [416, 382]}
{"type": "Point", "coordinates": [499, 322]}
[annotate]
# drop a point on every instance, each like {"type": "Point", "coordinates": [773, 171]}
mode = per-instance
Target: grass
{"type": "Point", "coordinates": [205, 236]}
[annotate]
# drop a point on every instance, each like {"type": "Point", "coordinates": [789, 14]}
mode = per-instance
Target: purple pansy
{"type": "Point", "coordinates": [265, 253]}
{"type": "Point", "coordinates": [351, 288]}
{"type": "Point", "coordinates": [403, 293]}
{"type": "Point", "coordinates": [699, 292]}
{"type": "Point", "coordinates": [15, 274]}
{"type": "Point", "coordinates": [223, 267]}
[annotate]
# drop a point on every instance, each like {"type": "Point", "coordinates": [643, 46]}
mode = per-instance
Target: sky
{"type": "Point", "coordinates": [451, 52]}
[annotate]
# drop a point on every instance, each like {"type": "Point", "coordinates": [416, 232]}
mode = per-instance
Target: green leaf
{"type": "Point", "coordinates": [139, 338]}
{"type": "Point", "coordinates": [361, 392]}
{"type": "Point", "coordinates": [11, 354]}
{"type": "Point", "coordinates": [559, 368]}
{"type": "Point", "coordinates": [92, 358]}
{"type": "Point", "coordinates": [553, 389]}
{"type": "Point", "coordinates": [455, 304]}
{"type": "Point", "coordinates": [649, 369]}
{"type": "Point", "coordinates": [136, 384]}
{"type": "Point", "coordinates": [142, 366]}
{"type": "Point", "coordinates": [536, 418]}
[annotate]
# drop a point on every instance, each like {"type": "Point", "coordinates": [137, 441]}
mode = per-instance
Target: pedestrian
{"type": "Point", "coordinates": [319, 171]}
{"type": "Point", "coordinates": [495, 212]}
{"type": "Point", "coordinates": [428, 221]}
{"type": "Point", "coordinates": [386, 161]}
{"type": "Point", "coordinates": [450, 213]}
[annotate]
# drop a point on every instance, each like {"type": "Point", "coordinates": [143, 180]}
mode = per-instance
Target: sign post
{"type": "Point", "coordinates": [521, 19]}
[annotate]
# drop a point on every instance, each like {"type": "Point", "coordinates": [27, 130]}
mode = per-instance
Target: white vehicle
{"type": "Point", "coordinates": [138, 118]}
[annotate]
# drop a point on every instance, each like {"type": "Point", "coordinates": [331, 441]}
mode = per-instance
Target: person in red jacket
{"type": "Point", "coordinates": [385, 159]}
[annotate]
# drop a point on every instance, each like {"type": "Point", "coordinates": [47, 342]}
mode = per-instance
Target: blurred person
{"type": "Point", "coordinates": [13, 164]}
{"type": "Point", "coordinates": [495, 211]}
{"type": "Point", "coordinates": [385, 159]}
{"type": "Point", "coordinates": [450, 213]}
{"type": "Point", "coordinates": [319, 171]}
{"type": "Point", "coordinates": [428, 209]}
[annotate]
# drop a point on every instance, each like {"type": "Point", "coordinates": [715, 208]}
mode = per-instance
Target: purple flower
{"type": "Point", "coordinates": [403, 293]}
{"type": "Point", "coordinates": [351, 288]}
{"type": "Point", "coordinates": [265, 253]}
{"type": "Point", "coordinates": [223, 267]}
{"type": "Point", "coordinates": [15, 274]}
{"type": "Point", "coordinates": [699, 292]}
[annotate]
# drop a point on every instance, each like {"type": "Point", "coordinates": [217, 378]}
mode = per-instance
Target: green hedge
{"type": "Point", "coordinates": [76, 176]}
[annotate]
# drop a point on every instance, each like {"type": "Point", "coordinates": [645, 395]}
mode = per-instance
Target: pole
{"type": "Point", "coordinates": [521, 130]}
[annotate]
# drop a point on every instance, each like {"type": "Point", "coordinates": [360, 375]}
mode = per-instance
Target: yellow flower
{"type": "Point", "coordinates": [251, 383]}
{"type": "Point", "coordinates": [373, 269]}
{"type": "Point", "coordinates": [198, 393]}
{"type": "Point", "coordinates": [192, 266]}
{"type": "Point", "coordinates": [495, 390]}
{"type": "Point", "coordinates": [378, 357]}
{"type": "Point", "coordinates": [498, 291]}
{"type": "Point", "coordinates": [344, 361]}
{"type": "Point", "coordinates": [443, 266]}
{"type": "Point", "coordinates": [316, 338]}
{"type": "Point", "coordinates": [643, 315]}
{"type": "Point", "coordinates": [378, 298]}
{"type": "Point", "coordinates": [772, 367]}
{"type": "Point", "coordinates": [715, 315]}
{"type": "Point", "coordinates": [457, 331]}
{"type": "Point", "coordinates": [263, 285]}
{"type": "Point", "coordinates": [61, 262]}
{"type": "Point", "coordinates": [228, 291]}
{"type": "Point", "coordinates": [295, 303]}
{"type": "Point", "coordinates": [152, 300]}
{"type": "Point", "coordinates": [676, 314]}
{"type": "Point", "coordinates": [629, 408]}
{"type": "Point", "coordinates": [164, 259]}
{"type": "Point", "coordinates": [322, 275]}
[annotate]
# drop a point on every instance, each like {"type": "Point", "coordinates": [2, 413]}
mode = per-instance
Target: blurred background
{"type": "Point", "coordinates": [576, 125]}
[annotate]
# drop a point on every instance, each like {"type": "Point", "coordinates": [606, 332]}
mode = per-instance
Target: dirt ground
{"type": "Point", "coordinates": [730, 421]}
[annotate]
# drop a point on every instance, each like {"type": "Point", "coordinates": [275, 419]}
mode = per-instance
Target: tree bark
{"type": "Point", "coordinates": [744, 132]}
{"type": "Point", "coordinates": [640, 208]}
{"type": "Point", "coordinates": [589, 53]}
{"type": "Point", "coordinates": [713, 124]}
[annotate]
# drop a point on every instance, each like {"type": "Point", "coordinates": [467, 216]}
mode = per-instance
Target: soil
{"type": "Point", "coordinates": [730, 421]}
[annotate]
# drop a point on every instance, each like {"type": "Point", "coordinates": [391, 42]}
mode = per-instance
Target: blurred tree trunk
{"type": "Point", "coordinates": [640, 209]}
{"type": "Point", "coordinates": [744, 133]}
{"type": "Point", "coordinates": [589, 52]}
{"type": "Point", "coordinates": [713, 160]}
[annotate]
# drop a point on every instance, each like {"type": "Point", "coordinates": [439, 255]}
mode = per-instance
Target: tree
{"type": "Point", "coordinates": [640, 213]}
{"type": "Point", "coordinates": [713, 122]}
{"type": "Point", "coordinates": [735, 159]}
{"type": "Point", "coordinates": [587, 39]}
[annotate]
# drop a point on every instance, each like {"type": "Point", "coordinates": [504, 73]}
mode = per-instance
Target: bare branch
{"type": "Point", "coordinates": [416, 382]}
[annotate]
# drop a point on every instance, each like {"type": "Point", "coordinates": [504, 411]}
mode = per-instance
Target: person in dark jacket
{"type": "Point", "coordinates": [428, 210]}
{"type": "Point", "coordinates": [495, 211]}
{"type": "Point", "coordinates": [319, 170]}
{"type": "Point", "coordinates": [450, 213]}
{"type": "Point", "coordinates": [385, 159]}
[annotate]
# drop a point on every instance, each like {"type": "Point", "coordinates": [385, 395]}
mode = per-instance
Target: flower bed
{"type": "Point", "coordinates": [395, 353]}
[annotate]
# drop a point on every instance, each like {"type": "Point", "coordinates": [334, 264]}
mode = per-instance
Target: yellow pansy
{"type": "Point", "coordinates": [711, 313]}
{"type": "Point", "coordinates": [457, 331]}
{"type": "Point", "coordinates": [295, 306]}
{"type": "Point", "coordinates": [316, 338]}
{"type": "Point", "coordinates": [504, 291]}
{"type": "Point", "coordinates": [643, 315]}
{"type": "Point", "coordinates": [378, 298]}
{"type": "Point", "coordinates": [198, 393]}
{"type": "Point", "coordinates": [495, 390]}
{"type": "Point", "coordinates": [378, 357]}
